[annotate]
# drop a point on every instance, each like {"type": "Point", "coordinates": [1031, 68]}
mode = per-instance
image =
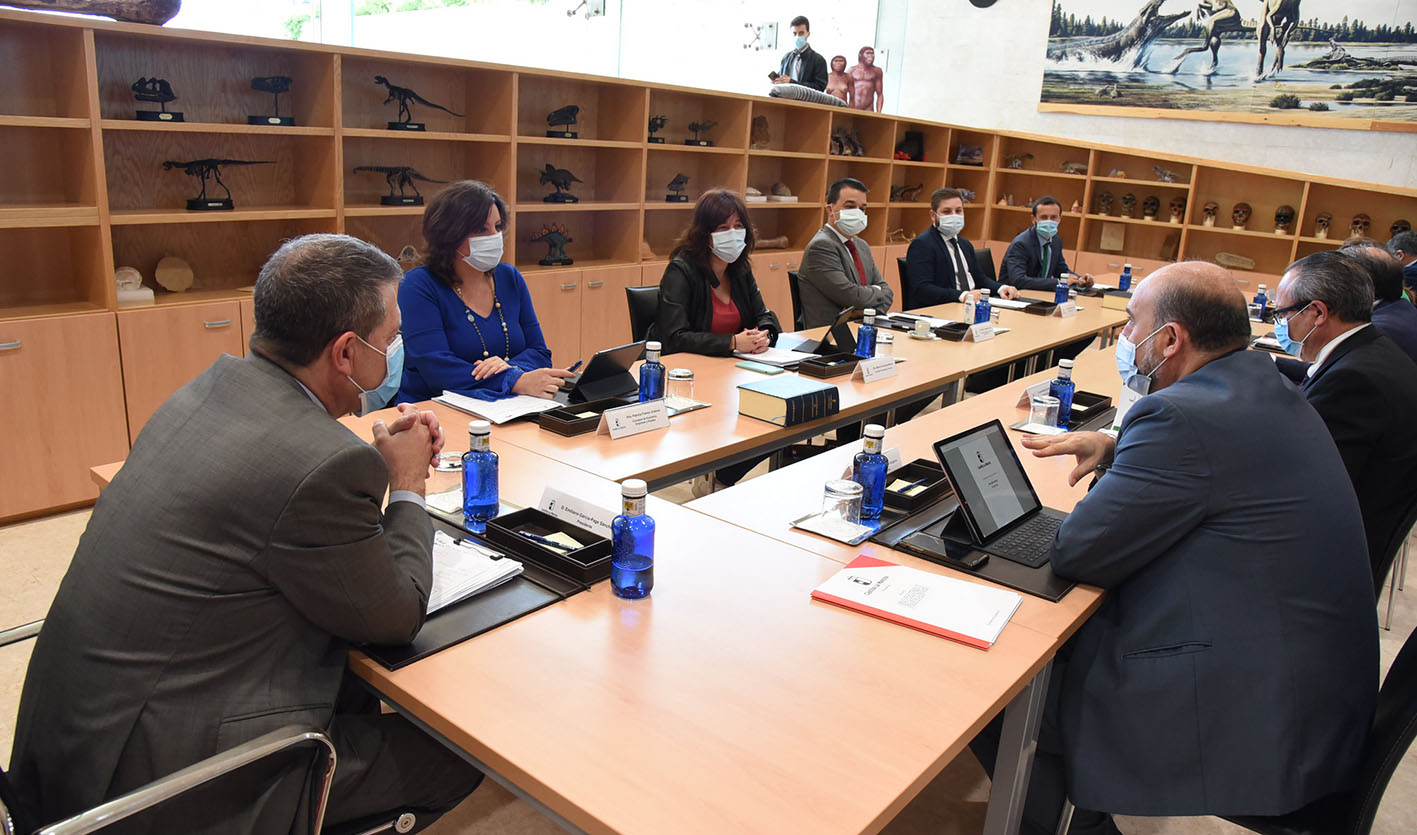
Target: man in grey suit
{"type": "Point", "coordinates": [837, 268]}
{"type": "Point", "coordinates": [1232, 668]}
{"type": "Point", "coordinates": [232, 562]}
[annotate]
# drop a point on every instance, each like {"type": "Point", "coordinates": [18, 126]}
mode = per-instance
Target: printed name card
{"type": "Point", "coordinates": [876, 368]}
{"type": "Point", "coordinates": [1067, 310]}
{"type": "Point", "coordinates": [1026, 399]}
{"type": "Point", "coordinates": [980, 332]}
{"type": "Point", "coordinates": [576, 511]}
{"type": "Point", "coordinates": [633, 419]}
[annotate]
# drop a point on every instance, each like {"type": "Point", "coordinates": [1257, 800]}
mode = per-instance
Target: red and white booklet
{"type": "Point", "coordinates": [970, 613]}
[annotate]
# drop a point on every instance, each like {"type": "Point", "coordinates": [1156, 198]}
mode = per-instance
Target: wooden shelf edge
{"type": "Point", "coordinates": [1127, 181]}
{"type": "Point", "coordinates": [1136, 220]}
{"type": "Point", "coordinates": [580, 143]}
{"type": "Point", "coordinates": [214, 127]}
{"type": "Point", "coordinates": [142, 217]}
{"type": "Point", "coordinates": [433, 135]}
{"type": "Point", "coordinates": [44, 122]}
{"type": "Point", "coordinates": [587, 206]}
{"type": "Point", "coordinates": [1033, 172]}
{"type": "Point", "coordinates": [1285, 237]}
{"type": "Point", "coordinates": [696, 149]}
{"type": "Point", "coordinates": [41, 216]}
{"type": "Point", "coordinates": [870, 160]}
{"type": "Point", "coordinates": [163, 298]}
{"type": "Point", "coordinates": [49, 311]}
{"type": "Point", "coordinates": [769, 153]}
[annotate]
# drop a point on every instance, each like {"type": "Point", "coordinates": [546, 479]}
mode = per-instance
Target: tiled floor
{"type": "Point", "coordinates": [35, 555]}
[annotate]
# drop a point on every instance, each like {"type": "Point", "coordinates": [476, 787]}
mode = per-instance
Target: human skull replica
{"type": "Point", "coordinates": [1361, 224]}
{"type": "Point", "coordinates": [1240, 215]}
{"type": "Point", "coordinates": [1398, 226]}
{"type": "Point", "coordinates": [1284, 220]}
{"type": "Point", "coordinates": [1321, 224]}
{"type": "Point", "coordinates": [1129, 204]}
{"type": "Point", "coordinates": [1209, 210]}
{"type": "Point", "coordinates": [1150, 206]}
{"type": "Point", "coordinates": [1178, 208]}
{"type": "Point", "coordinates": [1104, 203]}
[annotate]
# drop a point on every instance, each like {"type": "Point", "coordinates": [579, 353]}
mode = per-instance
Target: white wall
{"type": "Point", "coordinates": [984, 68]}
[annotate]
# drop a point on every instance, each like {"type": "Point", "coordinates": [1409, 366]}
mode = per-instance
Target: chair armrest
{"type": "Point", "coordinates": [19, 633]}
{"type": "Point", "coordinates": [202, 772]}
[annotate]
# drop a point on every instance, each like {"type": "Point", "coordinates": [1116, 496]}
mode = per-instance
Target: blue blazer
{"type": "Point", "coordinates": [1233, 665]}
{"type": "Point", "coordinates": [1023, 265]}
{"type": "Point", "coordinates": [930, 270]}
{"type": "Point", "coordinates": [440, 345]}
{"type": "Point", "coordinates": [1397, 320]}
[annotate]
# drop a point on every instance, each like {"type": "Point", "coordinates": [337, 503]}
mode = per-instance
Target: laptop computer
{"type": "Point", "coordinates": [999, 512]}
{"type": "Point", "coordinates": [606, 375]}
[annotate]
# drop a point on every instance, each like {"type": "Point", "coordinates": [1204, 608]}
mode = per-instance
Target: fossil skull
{"type": "Point", "coordinates": [1240, 215]}
{"type": "Point", "coordinates": [1178, 208]}
{"type": "Point", "coordinates": [1284, 219]}
{"type": "Point", "coordinates": [1104, 203]}
{"type": "Point", "coordinates": [1129, 204]}
{"type": "Point", "coordinates": [1321, 224]}
{"type": "Point", "coordinates": [1150, 206]}
{"type": "Point", "coordinates": [1398, 226]}
{"type": "Point", "coordinates": [1209, 210]}
{"type": "Point", "coordinates": [1361, 224]}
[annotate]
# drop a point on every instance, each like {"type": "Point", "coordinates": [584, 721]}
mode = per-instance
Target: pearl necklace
{"type": "Point", "coordinates": [472, 319]}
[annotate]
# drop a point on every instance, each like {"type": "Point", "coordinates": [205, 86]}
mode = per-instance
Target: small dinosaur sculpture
{"type": "Point", "coordinates": [697, 127]}
{"type": "Point", "coordinates": [559, 179]}
{"type": "Point", "coordinates": [906, 194]}
{"type": "Point", "coordinates": [563, 116]}
{"type": "Point", "coordinates": [205, 169]}
{"type": "Point", "coordinates": [1163, 174]}
{"type": "Point", "coordinates": [847, 143]}
{"type": "Point", "coordinates": [676, 187]}
{"type": "Point", "coordinates": [405, 98]}
{"type": "Point", "coordinates": [399, 177]}
{"type": "Point", "coordinates": [555, 238]}
{"type": "Point", "coordinates": [656, 124]}
{"type": "Point", "coordinates": [1074, 167]}
{"type": "Point", "coordinates": [1016, 160]}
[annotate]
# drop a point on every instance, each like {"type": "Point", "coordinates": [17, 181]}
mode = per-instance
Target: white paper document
{"type": "Point", "coordinates": [779, 357]}
{"type": "Point", "coordinates": [1010, 304]}
{"type": "Point", "coordinates": [462, 569]}
{"type": "Point", "coordinates": [497, 411]}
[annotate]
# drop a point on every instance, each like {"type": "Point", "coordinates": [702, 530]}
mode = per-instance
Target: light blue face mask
{"type": "Point", "coordinates": [1127, 358]}
{"type": "Point", "coordinates": [799, 42]}
{"type": "Point", "coordinates": [1288, 344]}
{"type": "Point", "coordinates": [1047, 229]}
{"type": "Point", "coordinates": [371, 400]}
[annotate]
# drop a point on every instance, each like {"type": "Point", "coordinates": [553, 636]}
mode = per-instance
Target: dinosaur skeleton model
{"type": "Point", "coordinates": [210, 169]}
{"type": "Point", "coordinates": [700, 127]}
{"type": "Point", "coordinates": [400, 178]}
{"type": "Point", "coordinates": [559, 179]}
{"type": "Point", "coordinates": [276, 85]}
{"type": "Point", "coordinates": [563, 118]}
{"type": "Point", "coordinates": [656, 124]}
{"type": "Point", "coordinates": [406, 97]}
{"type": "Point", "coordinates": [845, 142]}
{"type": "Point", "coordinates": [676, 189]}
{"type": "Point", "coordinates": [159, 92]}
{"type": "Point", "coordinates": [554, 236]}
{"type": "Point", "coordinates": [906, 194]}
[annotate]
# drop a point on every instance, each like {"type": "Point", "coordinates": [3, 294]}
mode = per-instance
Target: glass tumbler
{"type": "Point", "coordinates": [1044, 410]}
{"type": "Point", "coordinates": [885, 344]}
{"type": "Point", "coordinates": [680, 386]}
{"type": "Point", "coordinates": [842, 499]}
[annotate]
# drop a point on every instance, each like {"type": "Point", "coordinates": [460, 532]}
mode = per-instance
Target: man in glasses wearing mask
{"type": "Point", "coordinates": [225, 572]}
{"type": "Point", "coordinates": [1232, 666]}
{"type": "Point", "coordinates": [1359, 381]}
{"type": "Point", "coordinates": [1034, 259]}
{"type": "Point", "coordinates": [838, 270]}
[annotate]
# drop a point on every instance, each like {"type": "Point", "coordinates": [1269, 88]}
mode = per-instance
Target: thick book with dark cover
{"type": "Point", "coordinates": [788, 401]}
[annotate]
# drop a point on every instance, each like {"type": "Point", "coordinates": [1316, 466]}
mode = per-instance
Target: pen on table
{"type": "Point", "coordinates": [576, 365]}
{"type": "Point", "coordinates": [919, 483]}
{"type": "Point", "coordinates": [541, 540]}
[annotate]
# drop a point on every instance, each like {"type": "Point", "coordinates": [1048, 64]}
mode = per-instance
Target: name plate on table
{"type": "Point", "coordinates": [1026, 399]}
{"type": "Point", "coordinates": [1067, 310]}
{"type": "Point", "coordinates": [876, 368]}
{"type": "Point", "coordinates": [633, 419]}
{"type": "Point", "coordinates": [979, 332]}
{"type": "Point", "coordinates": [576, 511]}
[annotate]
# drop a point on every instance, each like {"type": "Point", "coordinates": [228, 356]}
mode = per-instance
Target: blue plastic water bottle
{"type": "Point", "coordinates": [480, 501]}
{"type": "Point", "coordinates": [1125, 281]}
{"type": "Point", "coordinates": [1063, 388]}
{"type": "Point", "coordinates": [1060, 290]}
{"type": "Point", "coordinates": [868, 469]}
{"type": "Point", "coordinates": [866, 334]}
{"type": "Point", "coordinates": [651, 374]}
{"type": "Point", "coordinates": [632, 535]}
{"type": "Point", "coordinates": [983, 311]}
{"type": "Point", "coordinates": [1262, 299]}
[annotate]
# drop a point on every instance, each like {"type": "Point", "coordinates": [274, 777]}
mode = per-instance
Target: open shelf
{"type": "Point", "coordinates": [1117, 167]}
{"type": "Point", "coordinates": [300, 174]}
{"type": "Point", "coordinates": [911, 221]}
{"type": "Point", "coordinates": [971, 179]}
{"type": "Point", "coordinates": [483, 97]}
{"type": "Point", "coordinates": [56, 267]}
{"type": "Point", "coordinates": [223, 256]}
{"type": "Point", "coordinates": [703, 170]}
{"type": "Point", "coordinates": [1025, 189]}
{"type": "Point", "coordinates": [608, 236]}
{"type": "Point", "coordinates": [392, 233]}
{"type": "Point", "coordinates": [1270, 252]}
{"type": "Point", "coordinates": [791, 128]}
{"type": "Point", "coordinates": [1154, 240]}
{"type": "Point", "coordinates": [44, 69]}
{"type": "Point", "coordinates": [909, 176]}
{"type": "Point", "coordinates": [1264, 194]}
{"type": "Point", "coordinates": [987, 143]}
{"type": "Point", "coordinates": [806, 179]}
{"type": "Point", "coordinates": [935, 138]}
{"type": "Point", "coordinates": [682, 109]}
{"type": "Point", "coordinates": [877, 135]}
{"type": "Point", "coordinates": [876, 176]}
{"type": "Point", "coordinates": [490, 162]}
{"type": "Point", "coordinates": [1343, 203]}
{"type": "Point", "coordinates": [608, 110]}
{"type": "Point", "coordinates": [607, 175]}
{"type": "Point", "coordinates": [1163, 199]}
{"type": "Point", "coordinates": [1040, 157]}
{"type": "Point", "coordinates": [212, 81]}
{"type": "Point", "coordinates": [47, 166]}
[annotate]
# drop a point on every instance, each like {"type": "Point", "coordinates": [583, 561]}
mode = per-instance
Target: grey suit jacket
{"type": "Point", "coordinates": [213, 597]}
{"type": "Point", "coordinates": [828, 280]}
{"type": "Point", "coordinates": [1233, 665]}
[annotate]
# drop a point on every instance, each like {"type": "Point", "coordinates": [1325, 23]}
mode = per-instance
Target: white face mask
{"type": "Point", "coordinates": [950, 225]}
{"type": "Point", "coordinates": [851, 222]}
{"type": "Point", "coordinates": [728, 244]}
{"type": "Point", "coordinates": [484, 252]}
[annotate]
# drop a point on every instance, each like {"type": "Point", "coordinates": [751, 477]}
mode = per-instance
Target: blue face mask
{"type": "Point", "coordinates": [1288, 344]}
{"type": "Point", "coordinates": [1127, 357]}
{"type": "Point", "coordinates": [799, 42]}
{"type": "Point", "coordinates": [377, 398]}
{"type": "Point", "coordinates": [1047, 229]}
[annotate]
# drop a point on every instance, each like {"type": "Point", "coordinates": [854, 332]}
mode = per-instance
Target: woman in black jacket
{"type": "Point", "coordinates": [709, 302]}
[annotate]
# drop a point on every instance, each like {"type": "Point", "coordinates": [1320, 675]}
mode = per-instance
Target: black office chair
{"type": "Point", "coordinates": [906, 301]}
{"type": "Point", "coordinates": [796, 291]}
{"type": "Point", "coordinates": [986, 263]}
{"type": "Point", "coordinates": [1387, 563]}
{"type": "Point", "coordinates": [644, 307]}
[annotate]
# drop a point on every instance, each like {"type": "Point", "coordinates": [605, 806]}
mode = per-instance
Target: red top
{"type": "Point", "coordinates": [726, 318]}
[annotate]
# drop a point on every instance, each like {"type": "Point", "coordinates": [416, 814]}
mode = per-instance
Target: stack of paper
{"type": "Point", "coordinates": [1010, 304]}
{"type": "Point", "coordinates": [497, 411]}
{"type": "Point", "coordinates": [779, 357]}
{"type": "Point", "coordinates": [462, 569]}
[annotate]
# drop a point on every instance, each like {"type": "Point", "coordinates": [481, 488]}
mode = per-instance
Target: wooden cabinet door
{"type": "Point", "coordinates": [66, 369]}
{"type": "Point", "coordinates": [650, 274]}
{"type": "Point", "coordinates": [165, 347]}
{"type": "Point", "coordinates": [248, 324]}
{"type": "Point", "coordinates": [557, 299]}
{"type": "Point", "coordinates": [770, 269]}
{"type": "Point", "coordinates": [605, 313]}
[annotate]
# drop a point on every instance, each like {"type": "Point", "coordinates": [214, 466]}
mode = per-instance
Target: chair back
{"type": "Point", "coordinates": [906, 301]}
{"type": "Point", "coordinates": [13, 819]}
{"type": "Point", "coordinates": [1382, 562]}
{"type": "Point", "coordinates": [986, 263]}
{"type": "Point", "coordinates": [644, 308]}
{"type": "Point", "coordinates": [796, 290]}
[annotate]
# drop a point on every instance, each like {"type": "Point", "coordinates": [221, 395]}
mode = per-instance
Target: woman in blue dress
{"type": "Point", "coordinates": [468, 322]}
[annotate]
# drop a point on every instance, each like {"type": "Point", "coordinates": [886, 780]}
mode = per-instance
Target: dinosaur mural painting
{"type": "Point", "coordinates": [1130, 45]}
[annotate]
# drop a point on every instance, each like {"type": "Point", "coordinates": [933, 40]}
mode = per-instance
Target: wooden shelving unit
{"type": "Point", "coordinates": [83, 190]}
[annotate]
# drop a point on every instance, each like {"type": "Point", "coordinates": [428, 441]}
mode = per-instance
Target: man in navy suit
{"type": "Point", "coordinates": [1393, 315]}
{"type": "Point", "coordinates": [1404, 247]}
{"type": "Point", "coordinates": [940, 265]}
{"type": "Point", "coordinates": [1232, 668]}
{"type": "Point", "coordinates": [1034, 259]}
{"type": "Point", "coordinates": [1361, 384]}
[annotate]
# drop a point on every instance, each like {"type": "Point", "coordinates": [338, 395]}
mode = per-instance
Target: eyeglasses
{"type": "Point", "coordinates": [1291, 310]}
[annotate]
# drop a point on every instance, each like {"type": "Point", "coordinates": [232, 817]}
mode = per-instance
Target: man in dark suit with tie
{"type": "Point", "coordinates": [802, 65]}
{"type": "Point", "coordinates": [1034, 259]}
{"type": "Point", "coordinates": [941, 265]}
{"type": "Point", "coordinates": [1361, 384]}
{"type": "Point", "coordinates": [1403, 245]}
{"type": "Point", "coordinates": [1232, 668]}
{"type": "Point", "coordinates": [227, 570]}
{"type": "Point", "coordinates": [1394, 316]}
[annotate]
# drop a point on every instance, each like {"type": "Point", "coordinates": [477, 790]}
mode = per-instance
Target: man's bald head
{"type": "Point", "coordinates": [1200, 297]}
